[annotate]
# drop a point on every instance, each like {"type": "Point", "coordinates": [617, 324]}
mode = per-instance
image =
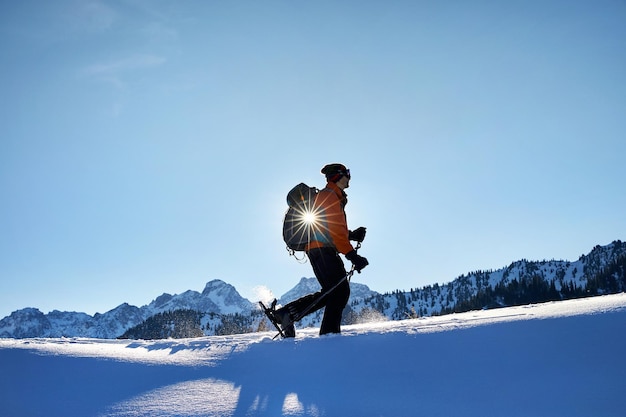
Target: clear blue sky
{"type": "Point", "coordinates": [147, 146]}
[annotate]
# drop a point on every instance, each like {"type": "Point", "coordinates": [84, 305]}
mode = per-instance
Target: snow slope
{"type": "Point", "coordinates": [554, 359]}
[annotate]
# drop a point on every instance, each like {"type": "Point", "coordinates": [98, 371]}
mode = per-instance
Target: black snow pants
{"type": "Point", "coordinates": [329, 269]}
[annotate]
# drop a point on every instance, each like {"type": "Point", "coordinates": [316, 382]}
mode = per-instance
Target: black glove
{"type": "Point", "coordinates": [357, 235]}
{"type": "Point", "coordinates": [357, 260]}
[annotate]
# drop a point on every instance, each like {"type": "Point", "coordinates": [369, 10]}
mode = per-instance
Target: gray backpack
{"type": "Point", "coordinates": [298, 222]}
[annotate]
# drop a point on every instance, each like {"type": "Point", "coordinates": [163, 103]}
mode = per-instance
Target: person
{"type": "Point", "coordinates": [331, 237]}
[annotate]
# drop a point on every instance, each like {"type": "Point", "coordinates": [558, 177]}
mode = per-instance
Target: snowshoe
{"type": "Point", "coordinates": [280, 319]}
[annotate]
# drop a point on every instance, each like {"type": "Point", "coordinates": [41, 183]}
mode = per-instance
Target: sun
{"type": "Point", "coordinates": [309, 217]}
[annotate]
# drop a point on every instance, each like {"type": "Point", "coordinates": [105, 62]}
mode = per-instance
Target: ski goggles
{"type": "Point", "coordinates": [344, 172]}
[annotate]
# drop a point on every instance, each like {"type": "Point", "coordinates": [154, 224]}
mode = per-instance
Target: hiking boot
{"type": "Point", "coordinates": [289, 330]}
{"type": "Point", "coordinates": [286, 322]}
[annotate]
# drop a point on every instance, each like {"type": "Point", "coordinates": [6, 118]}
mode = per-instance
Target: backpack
{"type": "Point", "coordinates": [297, 227]}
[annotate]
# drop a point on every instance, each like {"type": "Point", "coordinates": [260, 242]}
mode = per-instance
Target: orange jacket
{"type": "Point", "coordinates": [331, 229]}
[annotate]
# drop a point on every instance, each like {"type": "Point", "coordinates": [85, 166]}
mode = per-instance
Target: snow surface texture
{"type": "Point", "coordinates": [554, 359]}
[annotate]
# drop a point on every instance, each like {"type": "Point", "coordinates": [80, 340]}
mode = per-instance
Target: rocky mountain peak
{"type": "Point", "coordinates": [217, 286]}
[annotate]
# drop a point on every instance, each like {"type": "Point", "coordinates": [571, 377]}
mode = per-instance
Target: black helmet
{"type": "Point", "coordinates": [334, 172]}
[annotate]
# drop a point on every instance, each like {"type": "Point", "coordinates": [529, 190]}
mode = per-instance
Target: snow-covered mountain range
{"type": "Point", "coordinates": [223, 310]}
{"type": "Point", "coordinates": [217, 297]}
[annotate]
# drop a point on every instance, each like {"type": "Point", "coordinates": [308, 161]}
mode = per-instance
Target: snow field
{"type": "Point", "coordinates": [553, 359]}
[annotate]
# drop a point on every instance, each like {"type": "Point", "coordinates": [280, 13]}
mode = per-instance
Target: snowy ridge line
{"type": "Point", "coordinates": [203, 351]}
{"type": "Point", "coordinates": [209, 350]}
{"type": "Point", "coordinates": [540, 311]}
